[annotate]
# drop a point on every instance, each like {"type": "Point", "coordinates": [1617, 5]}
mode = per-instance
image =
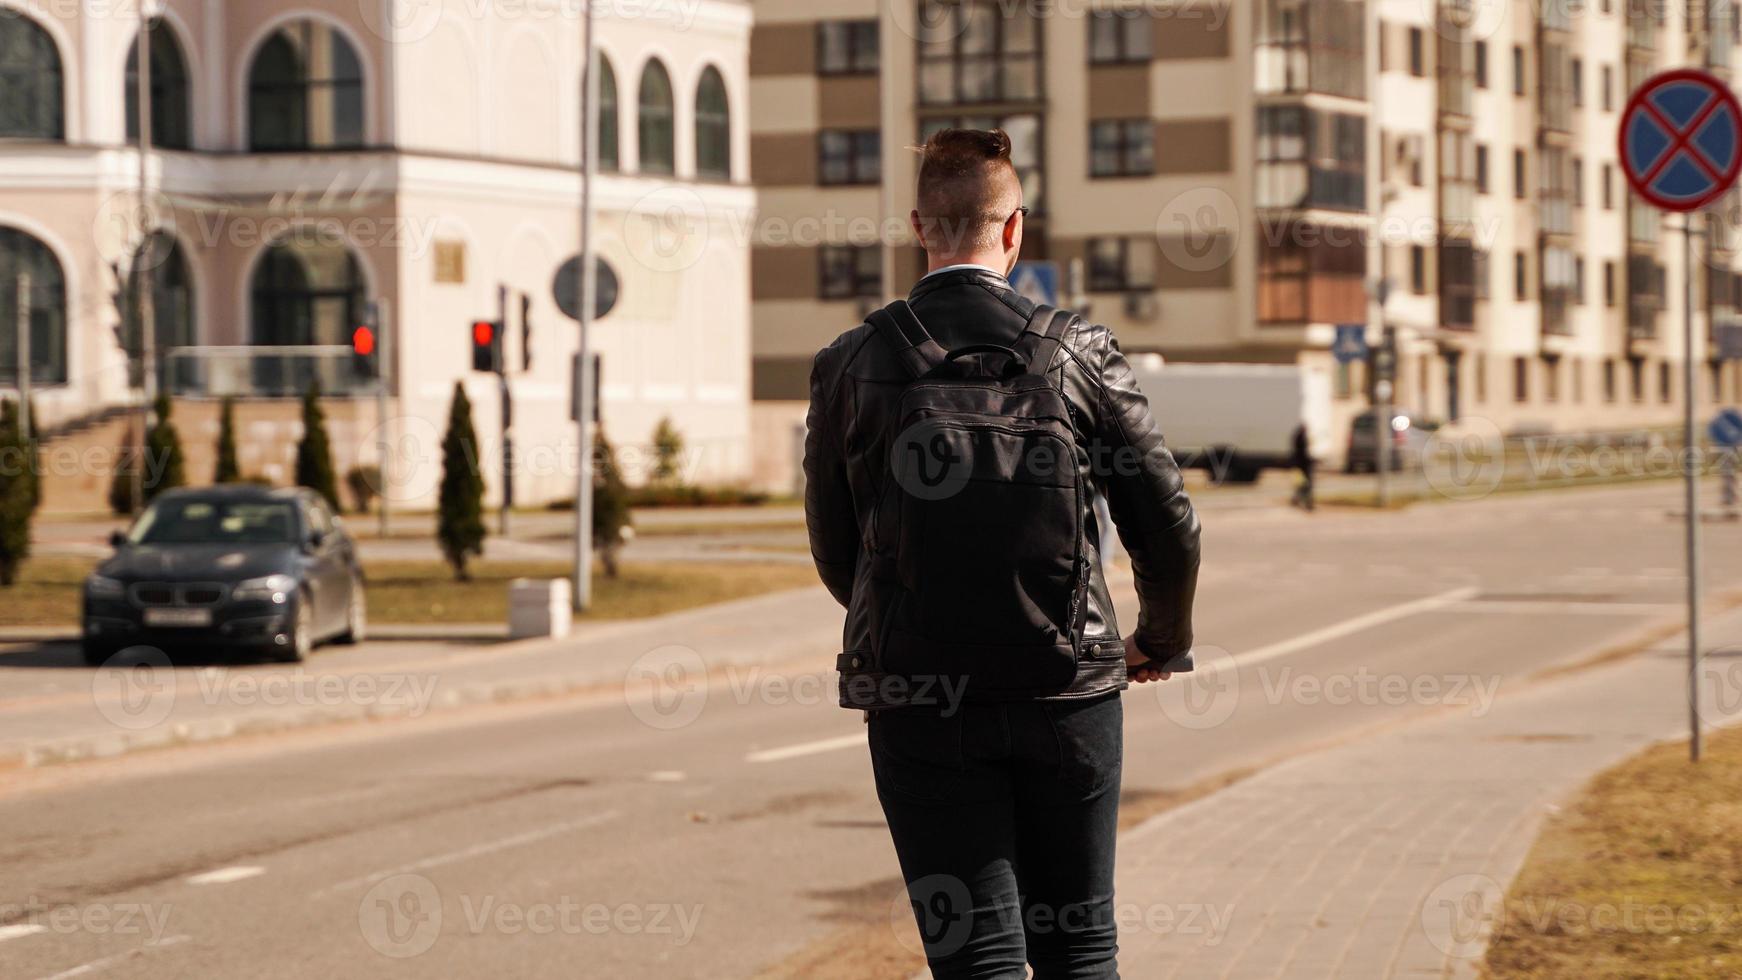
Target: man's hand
{"type": "Point", "coordinates": [1135, 657]}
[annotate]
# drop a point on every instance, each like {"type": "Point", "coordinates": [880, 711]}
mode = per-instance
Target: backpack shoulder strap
{"type": "Point", "coordinates": [1044, 335]}
{"type": "Point", "coordinates": [907, 337]}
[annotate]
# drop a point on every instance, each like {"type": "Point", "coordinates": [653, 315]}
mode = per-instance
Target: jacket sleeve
{"type": "Point", "coordinates": [1155, 519]}
{"type": "Point", "coordinates": [828, 498]}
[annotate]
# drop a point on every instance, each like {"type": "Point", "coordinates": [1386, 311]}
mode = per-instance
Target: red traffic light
{"type": "Point", "coordinates": [363, 341]}
{"type": "Point", "coordinates": [483, 332]}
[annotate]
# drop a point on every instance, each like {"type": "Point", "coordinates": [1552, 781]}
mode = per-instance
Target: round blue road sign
{"type": "Point", "coordinates": [1681, 140]}
{"type": "Point", "coordinates": [1726, 429]}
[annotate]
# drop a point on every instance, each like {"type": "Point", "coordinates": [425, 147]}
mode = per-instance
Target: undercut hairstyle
{"type": "Point", "coordinates": [968, 188]}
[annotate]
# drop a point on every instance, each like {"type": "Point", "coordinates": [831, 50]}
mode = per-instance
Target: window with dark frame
{"type": "Point", "coordinates": [1482, 64]}
{"type": "Point", "coordinates": [1121, 148]}
{"type": "Point", "coordinates": [973, 51]}
{"type": "Point", "coordinates": [305, 90]}
{"type": "Point", "coordinates": [1520, 379]}
{"type": "Point", "coordinates": [1520, 276]}
{"type": "Point", "coordinates": [1481, 168]}
{"type": "Point", "coordinates": [22, 253]}
{"type": "Point", "coordinates": [849, 157]}
{"type": "Point", "coordinates": [1121, 264]}
{"type": "Point", "coordinates": [171, 103]}
{"type": "Point", "coordinates": [1418, 270]}
{"type": "Point", "coordinates": [847, 47]}
{"type": "Point", "coordinates": [31, 79]}
{"type": "Point", "coordinates": [1520, 188]}
{"type": "Point", "coordinates": [1417, 53]}
{"type": "Point", "coordinates": [1578, 83]}
{"type": "Point", "coordinates": [1121, 37]}
{"type": "Point", "coordinates": [1518, 87]}
{"type": "Point", "coordinates": [850, 272]}
{"type": "Point", "coordinates": [1608, 94]}
{"type": "Point", "coordinates": [1609, 390]}
{"type": "Point", "coordinates": [1609, 284]}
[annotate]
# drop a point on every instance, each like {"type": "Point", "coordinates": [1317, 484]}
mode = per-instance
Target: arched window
{"type": "Point", "coordinates": [165, 266]}
{"type": "Point", "coordinates": [654, 125]}
{"type": "Point", "coordinates": [30, 81]}
{"type": "Point", "coordinates": [171, 110]}
{"type": "Point", "coordinates": [305, 91]}
{"type": "Point", "coordinates": [304, 293]}
{"type": "Point", "coordinates": [21, 253]}
{"type": "Point", "coordinates": [713, 127]}
{"type": "Point", "coordinates": [608, 119]}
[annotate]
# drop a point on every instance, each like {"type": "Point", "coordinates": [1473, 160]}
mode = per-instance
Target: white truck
{"type": "Point", "coordinates": [1236, 420]}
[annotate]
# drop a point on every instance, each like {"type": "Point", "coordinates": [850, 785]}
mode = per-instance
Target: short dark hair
{"type": "Point", "coordinates": [963, 193]}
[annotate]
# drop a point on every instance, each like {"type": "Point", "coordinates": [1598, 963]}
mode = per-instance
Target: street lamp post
{"type": "Point", "coordinates": [583, 571]}
{"type": "Point", "coordinates": [142, 298]}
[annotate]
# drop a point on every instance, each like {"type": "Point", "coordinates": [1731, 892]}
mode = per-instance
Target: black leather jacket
{"type": "Point", "coordinates": [854, 382]}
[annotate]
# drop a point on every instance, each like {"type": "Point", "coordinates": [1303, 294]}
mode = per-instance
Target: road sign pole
{"type": "Point", "coordinates": [1691, 459]}
{"type": "Point", "coordinates": [1680, 145]}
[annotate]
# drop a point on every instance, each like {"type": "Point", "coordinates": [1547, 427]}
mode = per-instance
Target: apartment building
{"type": "Point", "coordinates": [314, 156]}
{"type": "Point", "coordinates": [1227, 175]}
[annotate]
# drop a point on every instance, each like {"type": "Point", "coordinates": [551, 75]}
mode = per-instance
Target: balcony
{"type": "Point", "coordinates": [1311, 47]}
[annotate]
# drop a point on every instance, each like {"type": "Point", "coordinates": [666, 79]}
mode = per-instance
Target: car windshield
{"type": "Point", "coordinates": [216, 522]}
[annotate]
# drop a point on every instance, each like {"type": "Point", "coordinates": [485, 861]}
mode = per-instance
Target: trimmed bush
{"type": "Point", "coordinates": [314, 454]}
{"type": "Point", "coordinates": [460, 519]}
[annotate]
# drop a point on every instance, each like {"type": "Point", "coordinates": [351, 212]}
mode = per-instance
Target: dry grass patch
{"type": "Point", "coordinates": [1640, 877]}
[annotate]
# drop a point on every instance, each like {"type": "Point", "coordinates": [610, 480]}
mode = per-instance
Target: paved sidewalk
{"type": "Point", "coordinates": [1387, 857]}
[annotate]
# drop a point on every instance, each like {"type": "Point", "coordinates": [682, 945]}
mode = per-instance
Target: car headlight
{"type": "Point", "coordinates": [104, 587]}
{"type": "Point", "coordinates": [272, 588]}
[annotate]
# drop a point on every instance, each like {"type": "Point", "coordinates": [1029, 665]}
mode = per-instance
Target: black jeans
{"type": "Point", "coordinates": [1004, 818]}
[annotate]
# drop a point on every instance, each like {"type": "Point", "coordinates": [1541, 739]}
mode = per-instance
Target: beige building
{"type": "Point", "coordinates": [1225, 175]}
{"type": "Point", "coordinates": [315, 156]}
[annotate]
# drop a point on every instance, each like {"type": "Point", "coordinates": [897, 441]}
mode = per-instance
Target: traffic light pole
{"type": "Point", "coordinates": [507, 411]}
{"type": "Point", "coordinates": [24, 355]}
{"type": "Point", "coordinates": [383, 367]}
{"type": "Point", "coordinates": [583, 591]}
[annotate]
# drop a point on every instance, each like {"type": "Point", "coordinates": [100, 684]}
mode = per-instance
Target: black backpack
{"type": "Point", "coordinates": [980, 518]}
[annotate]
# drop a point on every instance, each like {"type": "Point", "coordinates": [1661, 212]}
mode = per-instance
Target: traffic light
{"type": "Point", "coordinates": [487, 346]}
{"type": "Point", "coordinates": [365, 340]}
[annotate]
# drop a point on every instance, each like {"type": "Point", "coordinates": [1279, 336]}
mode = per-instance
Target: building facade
{"type": "Point", "coordinates": [311, 158]}
{"type": "Point", "coordinates": [1229, 178]}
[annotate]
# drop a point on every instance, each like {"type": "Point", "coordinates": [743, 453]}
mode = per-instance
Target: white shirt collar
{"type": "Point", "coordinates": [960, 267]}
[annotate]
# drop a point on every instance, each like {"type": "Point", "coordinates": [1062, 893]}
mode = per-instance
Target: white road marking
{"type": "Point", "coordinates": [476, 850]}
{"type": "Point", "coordinates": [1333, 632]}
{"type": "Point", "coordinates": [20, 931]}
{"type": "Point", "coordinates": [84, 969]}
{"type": "Point", "coordinates": [807, 748]}
{"type": "Point", "coordinates": [1337, 631]}
{"type": "Point", "coordinates": [223, 876]}
{"type": "Point", "coordinates": [666, 776]}
{"type": "Point", "coordinates": [1562, 607]}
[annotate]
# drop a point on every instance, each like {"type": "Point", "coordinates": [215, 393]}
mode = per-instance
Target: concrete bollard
{"type": "Point", "coordinates": [538, 607]}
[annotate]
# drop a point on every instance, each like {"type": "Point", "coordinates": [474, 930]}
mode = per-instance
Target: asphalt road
{"type": "Point", "coordinates": [717, 836]}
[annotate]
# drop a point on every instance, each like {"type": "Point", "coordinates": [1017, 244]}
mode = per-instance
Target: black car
{"type": "Point", "coordinates": [228, 569]}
